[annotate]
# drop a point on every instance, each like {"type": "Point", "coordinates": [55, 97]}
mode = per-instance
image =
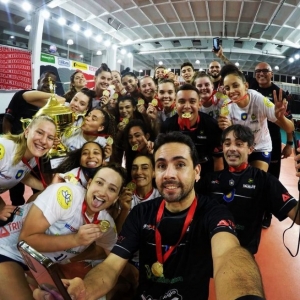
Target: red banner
{"type": "Point", "coordinates": [15, 69]}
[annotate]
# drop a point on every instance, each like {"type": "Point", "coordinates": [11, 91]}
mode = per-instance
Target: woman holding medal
{"type": "Point", "coordinates": [77, 82]}
{"type": "Point", "coordinates": [250, 108]}
{"type": "Point", "coordinates": [64, 216]}
{"type": "Point", "coordinates": [19, 154]}
{"type": "Point", "coordinates": [98, 126]}
{"type": "Point", "coordinates": [211, 100]}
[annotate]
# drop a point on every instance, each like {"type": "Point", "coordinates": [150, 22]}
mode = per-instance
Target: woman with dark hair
{"type": "Point", "coordinates": [77, 82]}
{"type": "Point", "coordinates": [131, 84]}
{"type": "Point", "coordinates": [98, 126]}
{"type": "Point", "coordinates": [250, 108]}
{"type": "Point", "coordinates": [81, 164]}
{"type": "Point", "coordinates": [103, 78]}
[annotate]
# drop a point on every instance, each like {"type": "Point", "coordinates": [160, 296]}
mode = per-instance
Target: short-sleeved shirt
{"type": "Point", "coordinates": [11, 175]}
{"type": "Point", "coordinates": [206, 137]}
{"type": "Point", "coordinates": [76, 140]}
{"type": "Point", "coordinates": [61, 204]}
{"type": "Point", "coordinates": [248, 194]}
{"type": "Point", "coordinates": [188, 269]}
{"type": "Point", "coordinates": [214, 109]}
{"type": "Point", "coordinates": [255, 116]}
{"type": "Point", "coordinates": [19, 108]}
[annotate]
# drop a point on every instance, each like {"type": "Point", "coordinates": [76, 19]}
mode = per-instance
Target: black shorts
{"type": "Point", "coordinates": [4, 258]}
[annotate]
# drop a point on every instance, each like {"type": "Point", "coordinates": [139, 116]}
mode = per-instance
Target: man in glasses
{"type": "Point", "coordinates": [264, 85]}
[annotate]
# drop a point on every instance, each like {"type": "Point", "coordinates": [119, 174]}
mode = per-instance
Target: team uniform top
{"type": "Point", "coordinates": [61, 204]}
{"type": "Point", "coordinates": [11, 175]}
{"type": "Point", "coordinates": [248, 194]}
{"type": "Point", "coordinates": [77, 140]}
{"type": "Point", "coordinates": [206, 137]}
{"type": "Point", "coordinates": [137, 200]}
{"type": "Point", "coordinates": [255, 116]}
{"type": "Point", "coordinates": [214, 109]}
{"type": "Point", "coordinates": [78, 174]}
{"type": "Point", "coordinates": [189, 267]}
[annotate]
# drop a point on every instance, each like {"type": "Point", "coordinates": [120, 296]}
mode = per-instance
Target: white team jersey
{"type": "Point", "coordinates": [78, 174]}
{"type": "Point", "coordinates": [61, 204]}
{"type": "Point", "coordinates": [77, 140]}
{"type": "Point", "coordinates": [214, 109]}
{"type": "Point", "coordinates": [137, 200]}
{"type": "Point", "coordinates": [255, 116]}
{"type": "Point", "coordinates": [11, 175]}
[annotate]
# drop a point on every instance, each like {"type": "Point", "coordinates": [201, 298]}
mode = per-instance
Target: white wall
{"type": "Point", "coordinates": [5, 97]}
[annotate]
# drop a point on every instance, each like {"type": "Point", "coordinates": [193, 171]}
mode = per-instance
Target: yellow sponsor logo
{"type": "Point", "coordinates": [267, 102]}
{"type": "Point", "coordinates": [2, 151]}
{"type": "Point", "coordinates": [79, 65]}
{"type": "Point", "coordinates": [64, 197]}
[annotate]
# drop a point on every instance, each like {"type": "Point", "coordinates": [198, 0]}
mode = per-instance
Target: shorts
{"type": "Point", "coordinates": [4, 258]}
{"type": "Point", "coordinates": [262, 156]}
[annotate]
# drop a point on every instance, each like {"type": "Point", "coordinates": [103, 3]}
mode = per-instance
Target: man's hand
{"type": "Point", "coordinates": [286, 151]}
{"type": "Point", "coordinates": [280, 105]}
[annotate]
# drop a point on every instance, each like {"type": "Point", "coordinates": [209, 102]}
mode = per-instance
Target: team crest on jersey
{"type": "Point", "coordinates": [64, 197]}
{"type": "Point", "coordinates": [2, 151]}
{"type": "Point", "coordinates": [244, 116]}
{"type": "Point", "coordinates": [253, 117]}
{"type": "Point", "coordinates": [19, 174]}
{"type": "Point", "coordinates": [250, 180]}
{"type": "Point", "coordinates": [231, 182]}
{"type": "Point", "coordinates": [230, 196]}
{"type": "Point", "coordinates": [267, 102]}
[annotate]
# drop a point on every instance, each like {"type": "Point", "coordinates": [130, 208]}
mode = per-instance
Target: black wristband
{"type": "Point", "coordinates": [290, 143]}
{"type": "Point", "coordinates": [250, 297]}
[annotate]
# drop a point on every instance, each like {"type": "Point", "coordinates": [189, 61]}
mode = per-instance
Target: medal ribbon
{"type": "Point", "coordinates": [240, 168]}
{"type": "Point", "coordinates": [25, 162]}
{"type": "Point", "coordinates": [188, 219]}
{"type": "Point", "coordinates": [185, 123]}
{"type": "Point", "coordinates": [87, 221]}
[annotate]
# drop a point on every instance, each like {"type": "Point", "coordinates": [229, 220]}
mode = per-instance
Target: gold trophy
{"type": "Point", "coordinates": [62, 116]}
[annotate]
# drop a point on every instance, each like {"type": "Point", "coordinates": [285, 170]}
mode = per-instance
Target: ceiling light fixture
{"type": "Point", "coordinates": [61, 21]}
{"type": "Point", "coordinates": [129, 54]}
{"type": "Point", "coordinates": [297, 56]}
{"type": "Point", "coordinates": [197, 61]}
{"type": "Point", "coordinates": [237, 64]}
{"type": "Point", "coordinates": [70, 42]}
{"type": "Point", "coordinates": [160, 63]}
{"type": "Point", "coordinates": [293, 77]}
{"type": "Point", "coordinates": [99, 52]}
{"type": "Point", "coordinates": [276, 68]}
{"type": "Point", "coordinates": [26, 6]}
{"type": "Point", "coordinates": [45, 14]}
{"type": "Point", "coordinates": [75, 27]}
{"type": "Point", "coordinates": [98, 38]}
{"type": "Point", "coordinates": [291, 60]}
{"type": "Point", "coordinates": [28, 28]}
{"type": "Point", "coordinates": [119, 61]}
{"type": "Point", "coordinates": [88, 33]}
{"type": "Point", "coordinates": [123, 51]}
{"type": "Point", "coordinates": [107, 43]}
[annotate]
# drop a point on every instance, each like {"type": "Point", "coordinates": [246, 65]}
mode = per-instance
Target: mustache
{"type": "Point", "coordinates": [171, 182]}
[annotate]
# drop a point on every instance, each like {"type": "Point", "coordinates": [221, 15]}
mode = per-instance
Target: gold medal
{"type": "Point", "coordinates": [141, 101]}
{"type": "Point", "coordinates": [135, 147]}
{"type": "Point", "coordinates": [112, 87]}
{"type": "Point", "coordinates": [106, 93]}
{"type": "Point", "coordinates": [186, 115]}
{"type": "Point", "coordinates": [104, 225]}
{"type": "Point", "coordinates": [131, 186]}
{"type": "Point", "coordinates": [109, 140]}
{"type": "Point", "coordinates": [115, 96]}
{"type": "Point", "coordinates": [157, 269]}
{"type": "Point", "coordinates": [125, 120]}
{"type": "Point", "coordinates": [224, 110]}
{"type": "Point", "coordinates": [154, 102]}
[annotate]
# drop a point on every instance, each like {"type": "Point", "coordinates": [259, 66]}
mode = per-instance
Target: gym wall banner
{"type": "Point", "coordinates": [15, 69]}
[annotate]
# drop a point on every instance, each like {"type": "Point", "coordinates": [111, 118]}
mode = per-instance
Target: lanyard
{"type": "Point", "coordinates": [188, 219]}
{"type": "Point", "coordinates": [95, 218]}
{"type": "Point", "coordinates": [185, 123]}
{"type": "Point", "coordinates": [25, 162]}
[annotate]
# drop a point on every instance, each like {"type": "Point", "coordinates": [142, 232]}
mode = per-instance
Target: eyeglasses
{"type": "Point", "coordinates": [264, 71]}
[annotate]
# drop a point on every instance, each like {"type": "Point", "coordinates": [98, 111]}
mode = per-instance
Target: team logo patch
{"type": "Point", "coordinates": [285, 197]}
{"type": "Point", "coordinates": [19, 174]}
{"type": "Point", "coordinates": [253, 117]}
{"type": "Point", "coordinates": [64, 197]}
{"type": "Point", "coordinates": [267, 102]}
{"type": "Point", "coordinates": [229, 197]}
{"type": "Point", "coordinates": [250, 180]}
{"type": "Point", "coordinates": [2, 151]}
{"type": "Point", "coordinates": [266, 154]}
{"type": "Point", "coordinates": [231, 182]}
{"type": "Point", "coordinates": [244, 116]}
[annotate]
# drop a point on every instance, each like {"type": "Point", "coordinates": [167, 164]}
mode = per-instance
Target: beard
{"type": "Point", "coordinates": [182, 195]}
{"type": "Point", "coordinates": [215, 76]}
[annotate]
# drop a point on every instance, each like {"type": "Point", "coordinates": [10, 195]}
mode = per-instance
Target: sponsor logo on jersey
{"type": "Point", "coordinates": [71, 228]}
{"type": "Point", "coordinates": [250, 180]}
{"type": "Point", "coordinates": [64, 197]}
{"type": "Point", "coordinates": [4, 232]}
{"type": "Point", "coordinates": [19, 174]}
{"type": "Point", "coordinates": [244, 116]}
{"type": "Point", "coordinates": [4, 176]}
{"type": "Point", "coordinates": [231, 182]}
{"type": "Point", "coordinates": [267, 102]}
{"type": "Point", "coordinates": [249, 186]}
{"type": "Point", "coordinates": [2, 151]}
{"type": "Point", "coordinates": [286, 197]}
